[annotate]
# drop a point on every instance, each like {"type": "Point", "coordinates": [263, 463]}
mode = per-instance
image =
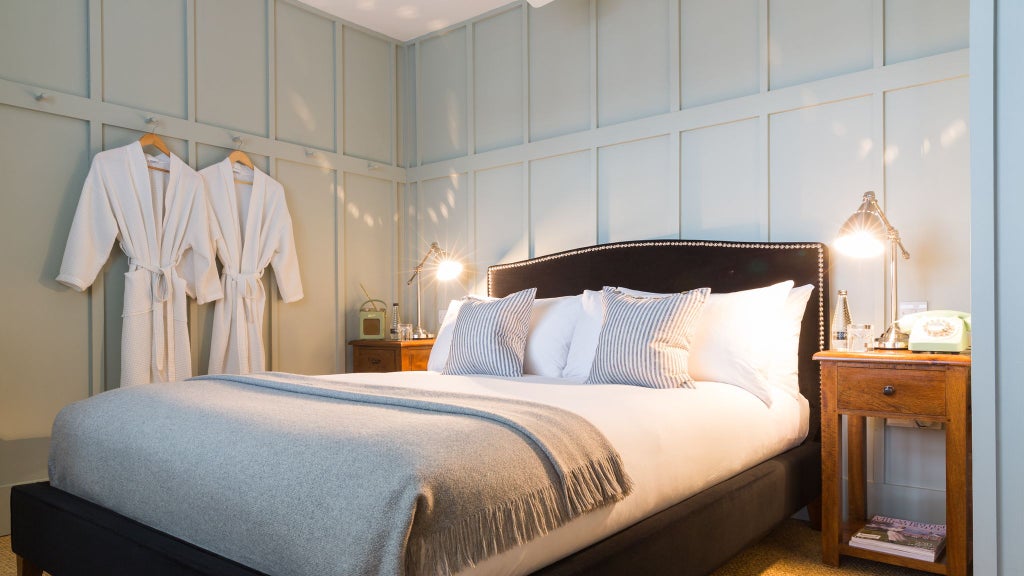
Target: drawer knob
{"type": "Point", "coordinates": [376, 361]}
{"type": "Point", "coordinates": [889, 390]}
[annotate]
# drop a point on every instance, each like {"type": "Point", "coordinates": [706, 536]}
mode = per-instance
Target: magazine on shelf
{"type": "Point", "coordinates": [901, 537]}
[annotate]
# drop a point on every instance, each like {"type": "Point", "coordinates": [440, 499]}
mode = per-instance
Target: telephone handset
{"type": "Point", "coordinates": [938, 331]}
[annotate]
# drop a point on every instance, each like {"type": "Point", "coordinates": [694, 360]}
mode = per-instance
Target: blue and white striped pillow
{"type": "Point", "coordinates": [646, 341]}
{"type": "Point", "coordinates": [490, 336]}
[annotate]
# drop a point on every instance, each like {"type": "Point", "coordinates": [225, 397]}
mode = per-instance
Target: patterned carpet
{"type": "Point", "coordinates": [793, 549]}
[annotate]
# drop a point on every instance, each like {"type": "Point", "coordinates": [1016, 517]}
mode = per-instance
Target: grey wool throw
{"type": "Point", "coordinates": [298, 475]}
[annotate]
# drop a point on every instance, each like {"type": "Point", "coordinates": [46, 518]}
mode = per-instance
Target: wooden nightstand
{"type": "Point", "coordinates": [390, 355]}
{"type": "Point", "coordinates": [898, 384]}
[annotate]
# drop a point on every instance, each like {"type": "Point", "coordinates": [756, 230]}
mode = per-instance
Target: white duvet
{"type": "Point", "coordinates": [674, 443]}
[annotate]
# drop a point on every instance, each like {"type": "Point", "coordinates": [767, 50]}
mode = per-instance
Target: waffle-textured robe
{"type": "Point", "coordinates": [155, 208]}
{"type": "Point", "coordinates": [252, 229]}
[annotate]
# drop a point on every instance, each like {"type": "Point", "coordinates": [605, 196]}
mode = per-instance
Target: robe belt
{"type": "Point", "coordinates": [248, 288]}
{"type": "Point", "coordinates": [163, 316]}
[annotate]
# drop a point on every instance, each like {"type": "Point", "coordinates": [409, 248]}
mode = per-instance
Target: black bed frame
{"type": "Point", "coordinates": [67, 536]}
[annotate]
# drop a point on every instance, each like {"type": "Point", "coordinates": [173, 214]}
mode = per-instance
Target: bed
{"type": "Point", "coordinates": [56, 531]}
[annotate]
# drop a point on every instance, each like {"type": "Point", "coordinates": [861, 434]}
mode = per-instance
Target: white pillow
{"type": "Point", "coordinates": [584, 337]}
{"type": "Point", "coordinates": [784, 369]}
{"type": "Point", "coordinates": [490, 336]}
{"type": "Point", "coordinates": [552, 323]}
{"type": "Point", "coordinates": [736, 338]}
{"type": "Point", "coordinates": [645, 341]}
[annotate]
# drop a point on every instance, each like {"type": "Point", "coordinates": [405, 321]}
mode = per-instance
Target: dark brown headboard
{"type": "Point", "coordinates": [677, 265]}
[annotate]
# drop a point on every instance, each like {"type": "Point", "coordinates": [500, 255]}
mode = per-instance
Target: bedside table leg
{"type": "Point", "coordinates": [831, 472]}
{"type": "Point", "coordinates": [958, 474]}
{"type": "Point", "coordinates": [856, 453]}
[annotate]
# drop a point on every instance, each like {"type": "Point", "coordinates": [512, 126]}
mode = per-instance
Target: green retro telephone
{"type": "Point", "coordinates": [938, 331]}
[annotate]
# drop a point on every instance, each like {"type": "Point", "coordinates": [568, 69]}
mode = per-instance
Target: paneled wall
{"type": "Point", "coordinates": [590, 121]}
{"type": "Point", "coordinates": [313, 101]}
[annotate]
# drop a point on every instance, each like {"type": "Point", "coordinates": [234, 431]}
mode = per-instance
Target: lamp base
{"type": "Point", "coordinates": [892, 339]}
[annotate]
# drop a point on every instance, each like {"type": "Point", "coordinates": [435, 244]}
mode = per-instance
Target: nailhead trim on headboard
{"type": "Point", "coordinates": [697, 243]}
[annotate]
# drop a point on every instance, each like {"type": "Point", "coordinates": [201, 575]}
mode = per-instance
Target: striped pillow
{"type": "Point", "coordinates": [490, 336]}
{"type": "Point", "coordinates": [646, 341]}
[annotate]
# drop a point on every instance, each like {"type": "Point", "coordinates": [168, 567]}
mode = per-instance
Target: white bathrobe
{"type": "Point", "coordinates": [252, 229]}
{"type": "Point", "coordinates": [160, 219]}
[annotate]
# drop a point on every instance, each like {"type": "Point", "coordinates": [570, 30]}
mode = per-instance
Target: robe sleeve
{"type": "Point", "coordinates": [285, 259]}
{"type": "Point", "coordinates": [92, 235]}
{"type": "Point", "coordinates": [199, 263]}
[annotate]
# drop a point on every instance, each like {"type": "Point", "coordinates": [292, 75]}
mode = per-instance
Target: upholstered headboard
{"type": "Point", "coordinates": [677, 265]}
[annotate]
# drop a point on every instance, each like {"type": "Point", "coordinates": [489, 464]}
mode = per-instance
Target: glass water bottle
{"type": "Point", "coordinates": [840, 321]}
{"type": "Point", "coordinates": [393, 335]}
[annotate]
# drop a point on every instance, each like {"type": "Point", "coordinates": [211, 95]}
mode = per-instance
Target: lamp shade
{"type": "Point", "coordinates": [865, 233]}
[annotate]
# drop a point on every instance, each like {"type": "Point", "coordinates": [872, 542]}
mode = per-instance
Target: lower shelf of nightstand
{"type": "Point", "coordinates": [848, 529]}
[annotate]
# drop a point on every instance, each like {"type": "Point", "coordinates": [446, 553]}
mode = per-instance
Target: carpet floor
{"type": "Point", "coordinates": [792, 549]}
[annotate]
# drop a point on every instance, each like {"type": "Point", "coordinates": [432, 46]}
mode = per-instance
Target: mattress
{"type": "Point", "coordinates": [673, 443]}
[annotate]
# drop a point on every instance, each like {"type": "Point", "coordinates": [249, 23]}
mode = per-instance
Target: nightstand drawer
{"type": "Point", "coordinates": [376, 360]}
{"type": "Point", "coordinates": [904, 392]}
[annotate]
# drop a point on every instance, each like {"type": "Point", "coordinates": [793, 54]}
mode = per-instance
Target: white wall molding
{"type": "Point", "coordinates": [109, 114]}
{"type": "Point", "coordinates": [858, 84]}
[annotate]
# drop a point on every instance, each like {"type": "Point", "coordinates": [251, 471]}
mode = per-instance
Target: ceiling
{"type": "Point", "coordinates": [404, 20]}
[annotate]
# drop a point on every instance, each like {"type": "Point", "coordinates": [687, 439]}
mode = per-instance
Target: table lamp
{"type": "Point", "coordinates": [447, 269]}
{"type": "Point", "coordinates": [864, 235]}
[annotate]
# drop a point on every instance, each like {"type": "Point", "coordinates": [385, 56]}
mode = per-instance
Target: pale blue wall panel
{"type": "Point", "coordinates": [310, 339]}
{"type": "Point", "coordinates": [563, 203]}
{"type": "Point", "coordinates": [501, 220]}
{"type": "Point", "coordinates": [814, 39]}
{"type": "Point", "coordinates": [231, 65]}
{"type": "Point", "coordinates": [927, 183]}
{"type": "Point", "coordinates": [917, 28]}
{"type": "Point", "coordinates": [369, 106]}
{"type": "Point", "coordinates": [632, 59]}
{"type": "Point", "coordinates": [370, 246]}
{"type": "Point", "coordinates": [407, 108]}
{"type": "Point", "coordinates": [442, 120]}
{"type": "Point", "coordinates": [45, 43]}
{"type": "Point", "coordinates": [46, 363]}
{"type": "Point", "coordinates": [820, 168]}
{"type": "Point", "coordinates": [720, 50]}
{"type": "Point", "coordinates": [144, 55]}
{"type": "Point", "coordinates": [498, 80]}
{"type": "Point", "coordinates": [444, 217]}
{"type": "Point", "coordinates": [559, 68]}
{"type": "Point", "coordinates": [719, 180]}
{"type": "Point", "coordinates": [305, 71]}
{"type": "Point", "coordinates": [635, 198]}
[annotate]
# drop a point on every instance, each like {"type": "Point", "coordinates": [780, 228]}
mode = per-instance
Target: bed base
{"type": "Point", "coordinates": [68, 536]}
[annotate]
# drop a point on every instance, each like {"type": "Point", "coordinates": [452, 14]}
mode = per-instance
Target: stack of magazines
{"type": "Point", "coordinates": [901, 537]}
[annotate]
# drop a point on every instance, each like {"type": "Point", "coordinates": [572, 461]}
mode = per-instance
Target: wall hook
{"type": "Point", "coordinates": [310, 153]}
{"type": "Point", "coordinates": [153, 123]}
{"type": "Point", "coordinates": [40, 96]}
{"type": "Point", "coordinates": [238, 142]}
{"type": "Point", "coordinates": [370, 165]}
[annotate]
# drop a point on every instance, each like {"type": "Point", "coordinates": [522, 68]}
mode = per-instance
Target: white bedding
{"type": "Point", "coordinates": [674, 443]}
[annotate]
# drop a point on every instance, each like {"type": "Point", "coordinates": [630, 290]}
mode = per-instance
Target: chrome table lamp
{"type": "Point", "coordinates": [447, 269]}
{"type": "Point", "coordinates": [865, 235]}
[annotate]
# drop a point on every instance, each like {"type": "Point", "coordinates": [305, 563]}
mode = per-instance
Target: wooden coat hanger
{"type": "Point", "coordinates": [155, 141]}
{"type": "Point", "coordinates": [240, 157]}
{"type": "Point", "coordinates": [152, 139]}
